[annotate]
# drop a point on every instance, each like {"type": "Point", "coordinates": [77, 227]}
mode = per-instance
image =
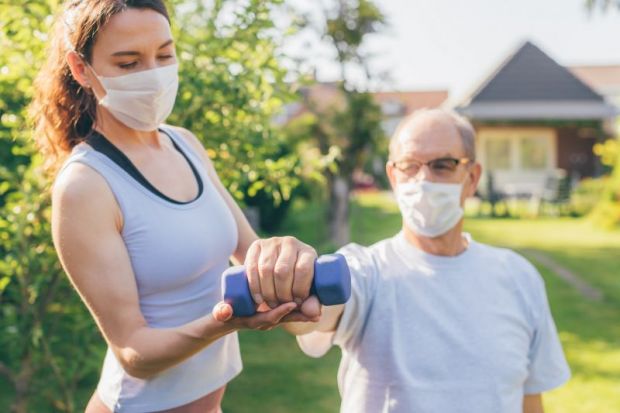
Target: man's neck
{"type": "Point", "coordinates": [450, 244]}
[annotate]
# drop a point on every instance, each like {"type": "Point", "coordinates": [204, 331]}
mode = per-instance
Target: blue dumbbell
{"type": "Point", "coordinates": [331, 284]}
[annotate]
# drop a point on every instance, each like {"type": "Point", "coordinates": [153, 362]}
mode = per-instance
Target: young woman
{"type": "Point", "coordinates": [142, 225]}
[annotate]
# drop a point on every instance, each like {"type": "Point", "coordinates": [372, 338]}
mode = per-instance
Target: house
{"type": "Point", "coordinates": [536, 120]}
{"type": "Point", "coordinates": [394, 105]}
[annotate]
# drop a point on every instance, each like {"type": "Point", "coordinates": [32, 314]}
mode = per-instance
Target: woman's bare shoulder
{"type": "Point", "coordinates": [81, 189]}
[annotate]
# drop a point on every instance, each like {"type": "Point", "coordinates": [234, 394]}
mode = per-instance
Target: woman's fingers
{"type": "Point", "coordinates": [268, 319]}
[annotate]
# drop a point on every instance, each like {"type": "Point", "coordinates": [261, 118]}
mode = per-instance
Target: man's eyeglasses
{"type": "Point", "coordinates": [440, 167]}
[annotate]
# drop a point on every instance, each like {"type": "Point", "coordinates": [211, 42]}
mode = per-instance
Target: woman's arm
{"type": "Point", "coordinates": [86, 226]}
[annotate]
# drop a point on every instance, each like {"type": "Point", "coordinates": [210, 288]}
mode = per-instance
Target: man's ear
{"type": "Point", "coordinates": [78, 69]}
{"type": "Point", "coordinates": [474, 178]}
{"type": "Point", "coordinates": [389, 170]}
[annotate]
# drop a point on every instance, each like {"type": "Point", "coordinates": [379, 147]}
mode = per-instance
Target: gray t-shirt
{"type": "Point", "coordinates": [430, 334]}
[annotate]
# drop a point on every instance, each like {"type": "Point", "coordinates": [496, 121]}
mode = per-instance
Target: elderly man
{"type": "Point", "coordinates": [437, 322]}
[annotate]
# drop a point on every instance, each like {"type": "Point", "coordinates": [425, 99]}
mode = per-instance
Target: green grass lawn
{"type": "Point", "coordinates": [278, 378]}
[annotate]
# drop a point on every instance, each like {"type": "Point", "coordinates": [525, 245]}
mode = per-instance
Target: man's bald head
{"type": "Point", "coordinates": [440, 121]}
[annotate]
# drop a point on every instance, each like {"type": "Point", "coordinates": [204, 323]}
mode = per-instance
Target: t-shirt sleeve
{"type": "Point", "coordinates": [361, 266]}
{"type": "Point", "coordinates": [547, 368]}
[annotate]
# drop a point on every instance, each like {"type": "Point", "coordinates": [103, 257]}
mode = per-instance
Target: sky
{"type": "Point", "coordinates": [456, 44]}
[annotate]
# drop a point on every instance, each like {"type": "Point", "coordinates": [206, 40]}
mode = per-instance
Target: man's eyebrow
{"type": "Point", "coordinates": [134, 53]}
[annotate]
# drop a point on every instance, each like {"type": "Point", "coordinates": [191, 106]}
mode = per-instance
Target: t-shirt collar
{"type": "Point", "coordinates": [414, 256]}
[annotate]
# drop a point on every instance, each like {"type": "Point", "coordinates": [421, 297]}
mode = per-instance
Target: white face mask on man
{"type": "Point", "coordinates": [141, 100]}
{"type": "Point", "coordinates": [429, 208]}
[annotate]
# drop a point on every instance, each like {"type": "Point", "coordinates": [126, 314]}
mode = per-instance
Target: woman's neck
{"type": "Point", "coordinates": [123, 136]}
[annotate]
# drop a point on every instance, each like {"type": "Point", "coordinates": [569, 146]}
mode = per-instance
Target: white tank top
{"type": "Point", "coordinates": [178, 252]}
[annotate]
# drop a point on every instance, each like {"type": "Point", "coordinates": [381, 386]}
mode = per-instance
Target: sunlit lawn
{"type": "Point", "coordinates": [278, 378]}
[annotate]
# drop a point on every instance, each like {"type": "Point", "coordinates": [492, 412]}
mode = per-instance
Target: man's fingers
{"type": "Point", "coordinates": [311, 307]}
{"type": "Point", "coordinates": [251, 270]}
{"type": "Point", "coordinates": [266, 262]}
{"type": "Point", "coordinates": [222, 312]}
{"type": "Point", "coordinates": [283, 271]}
{"type": "Point", "coordinates": [304, 272]}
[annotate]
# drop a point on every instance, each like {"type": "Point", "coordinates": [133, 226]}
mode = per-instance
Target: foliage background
{"type": "Point", "coordinates": [232, 85]}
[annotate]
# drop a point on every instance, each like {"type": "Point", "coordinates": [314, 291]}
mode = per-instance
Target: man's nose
{"type": "Point", "coordinates": [424, 174]}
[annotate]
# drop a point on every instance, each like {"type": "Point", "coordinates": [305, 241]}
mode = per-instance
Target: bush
{"type": "Point", "coordinates": [47, 337]}
{"type": "Point", "coordinates": [587, 195]}
{"type": "Point", "coordinates": [606, 214]}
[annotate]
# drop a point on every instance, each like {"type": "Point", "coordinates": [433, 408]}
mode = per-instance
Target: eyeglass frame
{"type": "Point", "coordinates": [458, 161]}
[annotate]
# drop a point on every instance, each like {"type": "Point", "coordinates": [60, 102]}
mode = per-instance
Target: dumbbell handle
{"type": "Point", "coordinates": [331, 283]}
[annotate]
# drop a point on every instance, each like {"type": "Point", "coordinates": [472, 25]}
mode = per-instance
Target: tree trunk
{"type": "Point", "coordinates": [22, 387]}
{"type": "Point", "coordinates": [338, 213]}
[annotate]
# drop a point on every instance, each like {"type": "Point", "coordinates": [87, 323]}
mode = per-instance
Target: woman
{"type": "Point", "coordinates": [141, 223]}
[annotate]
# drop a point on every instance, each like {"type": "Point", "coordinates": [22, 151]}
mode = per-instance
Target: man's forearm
{"type": "Point", "coordinates": [299, 329]}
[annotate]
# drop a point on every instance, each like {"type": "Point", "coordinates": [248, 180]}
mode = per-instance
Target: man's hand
{"type": "Point", "coordinates": [280, 270]}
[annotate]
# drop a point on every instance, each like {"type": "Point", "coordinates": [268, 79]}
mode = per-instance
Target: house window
{"type": "Point", "coordinates": [498, 154]}
{"type": "Point", "coordinates": [534, 153]}
{"type": "Point", "coordinates": [517, 149]}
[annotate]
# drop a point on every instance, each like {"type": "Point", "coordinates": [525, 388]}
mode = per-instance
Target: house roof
{"type": "Point", "coordinates": [413, 100]}
{"type": "Point", "coordinates": [530, 85]}
{"type": "Point", "coordinates": [326, 96]}
{"type": "Point", "coordinates": [601, 78]}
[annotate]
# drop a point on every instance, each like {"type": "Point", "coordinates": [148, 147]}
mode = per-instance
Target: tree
{"type": "Point", "coordinates": [351, 125]}
{"type": "Point", "coordinates": [232, 86]}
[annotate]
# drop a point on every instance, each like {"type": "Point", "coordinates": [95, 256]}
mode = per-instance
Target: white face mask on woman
{"type": "Point", "coordinates": [428, 208]}
{"type": "Point", "coordinates": [141, 100]}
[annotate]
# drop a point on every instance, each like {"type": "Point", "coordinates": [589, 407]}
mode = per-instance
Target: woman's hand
{"type": "Point", "coordinates": [280, 270]}
{"type": "Point", "coordinates": [266, 318]}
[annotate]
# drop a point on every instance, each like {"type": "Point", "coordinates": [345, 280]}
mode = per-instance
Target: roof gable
{"type": "Point", "coordinates": [531, 75]}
